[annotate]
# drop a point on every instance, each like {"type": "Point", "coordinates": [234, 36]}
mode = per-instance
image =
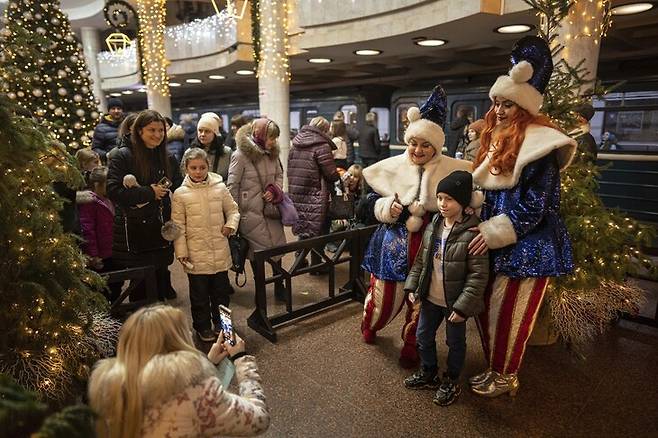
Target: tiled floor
{"type": "Point", "coordinates": [321, 380]}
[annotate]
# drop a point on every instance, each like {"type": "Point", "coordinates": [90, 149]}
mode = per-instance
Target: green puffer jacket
{"type": "Point", "coordinates": [464, 276]}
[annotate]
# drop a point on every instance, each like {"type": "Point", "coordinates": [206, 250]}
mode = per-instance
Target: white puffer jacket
{"type": "Point", "coordinates": [201, 210]}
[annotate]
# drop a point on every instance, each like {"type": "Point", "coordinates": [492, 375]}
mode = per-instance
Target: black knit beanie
{"type": "Point", "coordinates": [114, 102]}
{"type": "Point", "coordinates": [459, 185]}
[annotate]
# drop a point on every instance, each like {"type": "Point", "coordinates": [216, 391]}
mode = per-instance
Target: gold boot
{"type": "Point", "coordinates": [479, 379]}
{"type": "Point", "coordinates": [497, 385]}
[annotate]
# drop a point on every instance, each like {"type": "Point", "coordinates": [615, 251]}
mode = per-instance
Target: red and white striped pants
{"type": "Point", "coordinates": [511, 307]}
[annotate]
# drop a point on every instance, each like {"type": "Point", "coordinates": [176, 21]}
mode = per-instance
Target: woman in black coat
{"type": "Point", "coordinates": [143, 207]}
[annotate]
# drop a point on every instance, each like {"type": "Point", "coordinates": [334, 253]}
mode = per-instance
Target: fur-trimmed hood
{"type": "Point", "coordinates": [539, 141]}
{"type": "Point", "coordinates": [246, 145]}
{"type": "Point", "coordinates": [400, 175]}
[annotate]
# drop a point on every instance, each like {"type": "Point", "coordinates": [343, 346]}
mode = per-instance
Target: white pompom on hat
{"type": "Point", "coordinates": [209, 121]}
{"type": "Point", "coordinates": [425, 129]}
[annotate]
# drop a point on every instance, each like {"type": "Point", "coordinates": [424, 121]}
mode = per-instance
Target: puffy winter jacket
{"type": "Point", "coordinates": [96, 219]}
{"type": "Point", "coordinates": [105, 136]}
{"type": "Point", "coordinates": [246, 189]}
{"type": "Point", "coordinates": [311, 172]}
{"type": "Point", "coordinates": [465, 276]}
{"type": "Point", "coordinates": [201, 210]}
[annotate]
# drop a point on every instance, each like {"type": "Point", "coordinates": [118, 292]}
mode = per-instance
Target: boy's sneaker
{"type": "Point", "coordinates": [447, 392]}
{"type": "Point", "coordinates": [207, 335]}
{"type": "Point", "coordinates": [423, 379]}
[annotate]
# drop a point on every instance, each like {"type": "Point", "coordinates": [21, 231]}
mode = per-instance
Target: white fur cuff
{"type": "Point", "coordinates": [498, 231]}
{"type": "Point", "coordinates": [383, 210]}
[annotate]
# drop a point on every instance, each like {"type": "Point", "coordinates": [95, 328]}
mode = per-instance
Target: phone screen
{"type": "Point", "coordinates": [164, 182]}
{"type": "Point", "coordinates": [227, 324]}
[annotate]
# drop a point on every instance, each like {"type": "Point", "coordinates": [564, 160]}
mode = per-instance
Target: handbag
{"type": "Point", "coordinates": [270, 210]}
{"type": "Point", "coordinates": [143, 233]}
{"type": "Point", "coordinates": [341, 205]}
{"type": "Point", "coordinates": [239, 248]}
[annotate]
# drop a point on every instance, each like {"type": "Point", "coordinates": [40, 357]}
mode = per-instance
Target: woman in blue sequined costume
{"type": "Point", "coordinates": [518, 165]}
{"type": "Point", "coordinates": [403, 201]}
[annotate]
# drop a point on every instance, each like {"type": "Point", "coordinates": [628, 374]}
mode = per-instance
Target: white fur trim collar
{"type": "Point", "coordinates": [400, 175]}
{"type": "Point", "coordinates": [539, 141]}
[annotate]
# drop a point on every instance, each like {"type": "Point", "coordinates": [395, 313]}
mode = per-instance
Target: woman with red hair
{"type": "Point", "coordinates": [518, 165]}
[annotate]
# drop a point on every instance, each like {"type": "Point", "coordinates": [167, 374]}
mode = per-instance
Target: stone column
{"type": "Point", "coordinates": [152, 14]}
{"type": "Point", "coordinates": [91, 46]}
{"type": "Point", "coordinates": [273, 71]}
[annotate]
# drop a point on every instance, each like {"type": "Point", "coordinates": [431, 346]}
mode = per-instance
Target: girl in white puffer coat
{"type": "Point", "coordinates": [205, 212]}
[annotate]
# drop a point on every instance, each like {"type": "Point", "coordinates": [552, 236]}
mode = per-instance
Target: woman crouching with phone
{"type": "Point", "coordinates": [160, 385]}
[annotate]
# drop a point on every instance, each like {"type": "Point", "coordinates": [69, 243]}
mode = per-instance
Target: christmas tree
{"type": "Point", "coordinates": [53, 327]}
{"type": "Point", "coordinates": [607, 244]}
{"type": "Point", "coordinates": [53, 84]}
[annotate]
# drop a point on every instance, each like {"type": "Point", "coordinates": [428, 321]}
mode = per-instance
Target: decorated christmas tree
{"type": "Point", "coordinates": [607, 244]}
{"type": "Point", "coordinates": [45, 72]}
{"type": "Point", "coordinates": [53, 326]}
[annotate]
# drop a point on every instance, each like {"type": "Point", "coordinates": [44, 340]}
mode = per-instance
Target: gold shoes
{"type": "Point", "coordinates": [497, 384]}
{"type": "Point", "coordinates": [479, 379]}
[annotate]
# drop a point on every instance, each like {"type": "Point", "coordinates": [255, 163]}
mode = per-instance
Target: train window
{"type": "Point", "coordinates": [350, 113]}
{"type": "Point", "coordinates": [382, 119]}
{"type": "Point", "coordinates": [627, 130]}
{"type": "Point", "coordinates": [401, 121]}
{"type": "Point", "coordinates": [225, 121]}
{"type": "Point", "coordinates": [295, 117]}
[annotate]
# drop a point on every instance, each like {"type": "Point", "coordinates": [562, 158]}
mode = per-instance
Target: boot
{"type": "Point", "coordinates": [498, 384]}
{"type": "Point", "coordinates": [480, 378]}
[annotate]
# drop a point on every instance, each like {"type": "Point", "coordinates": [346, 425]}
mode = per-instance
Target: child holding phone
{"type": "Point", "coordinates": [450, 283]}
{"type": "Point", "coordinates": [206, 214]}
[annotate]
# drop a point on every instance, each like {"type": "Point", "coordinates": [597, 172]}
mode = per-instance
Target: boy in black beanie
{"type": "Point", "coordinates": [450, 284]}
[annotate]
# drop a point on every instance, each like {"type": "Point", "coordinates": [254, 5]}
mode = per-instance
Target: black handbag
{"type": "Point", "coordinates": [341, 206]}
{"type": "Point", "coordinates": [239, 249]}
{"type": "Point", "coordinates": [144, 233]}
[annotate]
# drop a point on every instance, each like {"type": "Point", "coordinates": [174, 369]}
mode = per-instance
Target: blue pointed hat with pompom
{"type": "Point", "coordinates": [427, 121]}
{"type": "Point", "coordinates": [532, 66]}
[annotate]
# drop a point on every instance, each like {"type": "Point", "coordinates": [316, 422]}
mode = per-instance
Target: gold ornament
{"type": "Point", "coordinates": [118, 42]}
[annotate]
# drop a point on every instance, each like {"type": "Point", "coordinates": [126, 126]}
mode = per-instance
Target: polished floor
{"type": "Point", "coordinates": [321, 380]}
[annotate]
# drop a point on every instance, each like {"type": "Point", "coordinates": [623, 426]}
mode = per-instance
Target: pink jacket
{"type": "Point", "coordinates": [96, 220]}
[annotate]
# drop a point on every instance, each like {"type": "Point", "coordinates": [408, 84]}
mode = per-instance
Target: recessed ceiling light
{"type": "Point", "coordinates": [632, 8]}
{"type": "Point", "coordinates": [126, 92]}
{"type": "Point", "coordinates": [368, 52]}
{"type": "Point", "coordinates": [244, 72]}
{"type": "Point", "coordinates": [142, 90]}
{"type": "Point", "coordinates": [193, 81]}
{"type": "Point", "coordinates": [429, 42]}
{"type": "Point", "coordinates": [216, 77]}
{"type": "Point", "coordinates": [115, 94]}
{"type": "Point", "coordinates": [320, 60]}
{"type": "Point", "coordinates": [514, 28]}
{"type": "Point", "coordinates": [174, 84]}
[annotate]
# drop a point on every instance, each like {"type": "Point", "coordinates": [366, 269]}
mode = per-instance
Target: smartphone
{"type": "Point", "coordinates": [165, 182]}
{"type": "Point", "coordinates": [227, 324]}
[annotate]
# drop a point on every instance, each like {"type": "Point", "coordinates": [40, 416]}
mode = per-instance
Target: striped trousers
{"type": "Point", "coordinates": [511, 307]}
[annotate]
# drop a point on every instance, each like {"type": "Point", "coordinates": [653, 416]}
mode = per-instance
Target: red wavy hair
{"type": "Point", "coordinates": [508, 140]}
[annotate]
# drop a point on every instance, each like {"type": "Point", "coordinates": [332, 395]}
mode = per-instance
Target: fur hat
{"type": "Point", "coordinates": [459, 185]}
{"type": "Point", "coordinates": [426, 122]}
{"type": "Point", "coordinates": [529, 76]}
{"type": "Point", "coordinates": [209, 121]}
{"type": "Point", "coordinates": [114, 102]}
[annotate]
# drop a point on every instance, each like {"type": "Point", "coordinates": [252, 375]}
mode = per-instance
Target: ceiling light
{"type": "Point", "coordinates": [216, 77]}
{"type": "Point", "coordinates": [368, 52]}
{"type": "Point", "coordinates": [174, 84]}
{"type": "Point", "coordinates": [514, 28]}
{"type": "Point", "coordinates": [320, 60]}
{"type": "Point", "coordinates": [193, 81]}
{"type": "Point", "coordinates": [632, 8]}
{"type": "Point", "coordinates": [142, 90]}
{"type": "Point", "coordinates": [115, 94]}
{"type": "Point", "coordinates": [429, 42]}
{"type": "Point", "coordinates": [244, 72]}
{"type": "Point", "coordinates": [126, 92]}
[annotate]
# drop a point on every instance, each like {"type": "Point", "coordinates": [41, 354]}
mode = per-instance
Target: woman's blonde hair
{"type": "Point", "coordinates": [356, 170]}
{"type": "Point", "coordinates": [321, 123]}
{"type": "Point", "coordinates": [193, 154]}
{"type": "Point", "coordinates": [114, 387]}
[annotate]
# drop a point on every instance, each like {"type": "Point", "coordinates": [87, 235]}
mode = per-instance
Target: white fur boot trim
{"type": "Point", "coordinates": [417, 209]}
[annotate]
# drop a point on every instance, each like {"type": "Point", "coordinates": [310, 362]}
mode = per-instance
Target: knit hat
{"type": "Point", "coordinates": [209, 121]}
{"type": "Point", "coordinates": [114, 102]}
{"type": "Point", "coordinates": [529, 76]}
{"type": "Point", "coordinates": [459, 185]}
{"type": "Point", "coordinates": [426, 122]}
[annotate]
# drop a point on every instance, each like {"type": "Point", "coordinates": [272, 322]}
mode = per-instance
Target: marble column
{"type": "Point", "coordinates": [273, 71]}
{"type": "Point", "coordinates": [152, 14]}
{"type": "Point", "coordinates": [91, 46]}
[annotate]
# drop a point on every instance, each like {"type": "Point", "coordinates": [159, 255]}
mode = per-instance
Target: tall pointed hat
{"type": "Point", "coordinates": [532, 66]}
{"type": "Point", "coordinates": [427, 121]}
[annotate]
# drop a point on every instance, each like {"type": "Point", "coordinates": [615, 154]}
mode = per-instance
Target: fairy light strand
{"type": "Point", "coordinates": [152, 15]}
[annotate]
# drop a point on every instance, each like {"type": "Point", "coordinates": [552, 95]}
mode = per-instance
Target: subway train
{"type": "Point", "coordinates": [625, 126]}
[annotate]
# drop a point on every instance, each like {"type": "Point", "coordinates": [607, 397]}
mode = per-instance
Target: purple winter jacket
{"type": "Point", "coordinates": [96, 221]}
{"type": "Point", "coordinates": [311, 170]}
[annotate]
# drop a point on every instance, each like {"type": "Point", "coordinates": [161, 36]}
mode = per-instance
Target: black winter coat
{"type": "Point", "coordinates": [127, 199]}
{"type": "Point", "coordinates": [369, 145]}
{"type": "Point", "coordinates": [105, 136]}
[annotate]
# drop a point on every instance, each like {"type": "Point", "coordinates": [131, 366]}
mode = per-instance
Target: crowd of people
{"type": "Point", "coordinates": [455, 239]}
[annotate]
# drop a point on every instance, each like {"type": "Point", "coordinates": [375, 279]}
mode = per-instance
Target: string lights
{"type": "Point", "coordinates": [274, 44]}
{"type": "Point", "coordinates": [591, 18]}
{"type": "Point", "coordinates": [221, 26]}
{"type": "Point", "coordinates": [152, 14]}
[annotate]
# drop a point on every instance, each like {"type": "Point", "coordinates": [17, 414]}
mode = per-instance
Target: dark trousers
{"type": "Point", "coordinates": [429, 321]}
{"type": "Point", "coordinates": [206, 293]}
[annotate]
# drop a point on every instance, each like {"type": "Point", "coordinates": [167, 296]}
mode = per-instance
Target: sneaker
{"type": "Point", "coordinates": [207, 335]}
{"type": "Point", "coordinates": [423, 379]}
{"type": "Point", "coordinates": [447, 393]}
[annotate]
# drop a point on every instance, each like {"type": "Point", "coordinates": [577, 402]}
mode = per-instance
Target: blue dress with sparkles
{"type": "Point", "coordinates": [543, 248]}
